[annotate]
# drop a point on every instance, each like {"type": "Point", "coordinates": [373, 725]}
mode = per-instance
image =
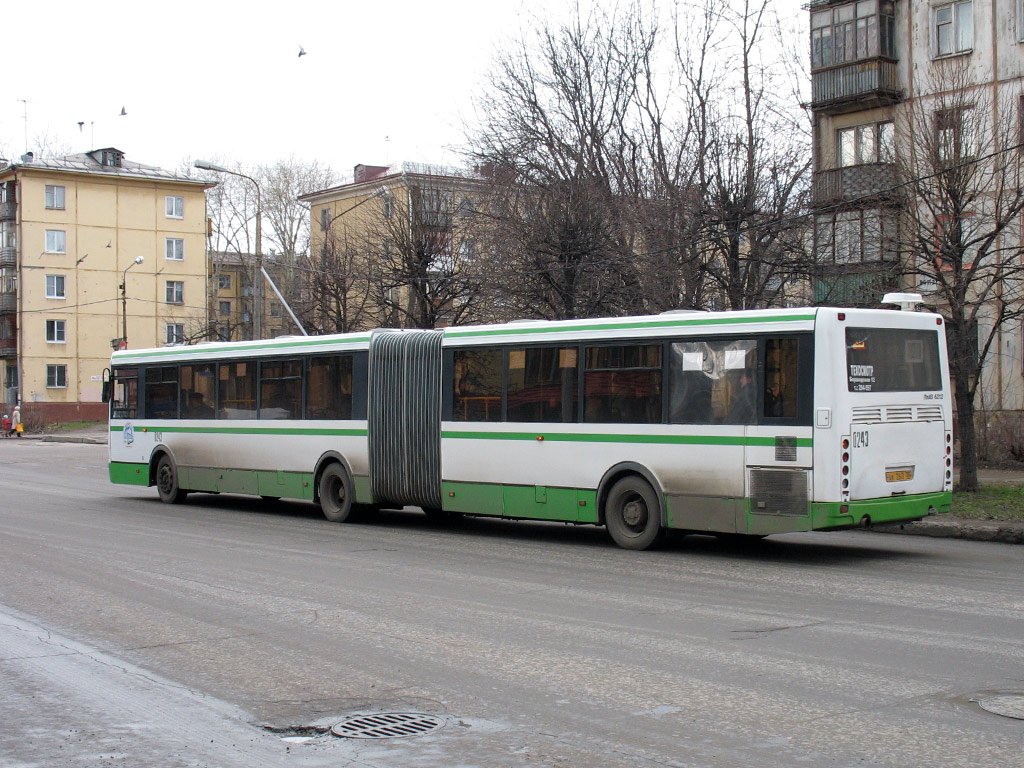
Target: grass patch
{"type": "Point", "coordinates": [991, 502]}
{"type": "Point", "coordinates": [74, 426]}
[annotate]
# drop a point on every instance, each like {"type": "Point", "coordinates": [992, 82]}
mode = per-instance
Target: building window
{"type": "Point", "coordinates": [174, 207]}
{"type": "Point", "coordinates": [325, 218]}
{"type": "Point", "coordinates": [851, 32]}
{"type": "Point", "coordinates": [175, 333]}
{"type": "Point", "coordinates": [56, 376]}
{"type": "Point", "coordinates": [224, 282]}
{"type": "Point", "coordinates": [861, 144]}
{"type": "Point", "coordinates": [275, 309]}
{"type": "Point", "coordinates": [55, 197]}
{"type": "Point", "coordinates": [175, 292]}
{"type": "Point", "coordinates": [55, 287]}
{"type": "Point", "coordinates": [56, 331]}
{"type": "Point", "coordinates": [225, 308]}
{"type": "Point", "coordinates": [174, 248]}
{"type": "Point", "coordinates": [953, 28]}
{"type": "Point", "coordinates": [954, 134]}
{"type": "Point", "coordinates": [854, 237]}
{"type": "Point", "coordinates": [1020, 21]}
{"type": "Point", "coordinates": [56, 241]}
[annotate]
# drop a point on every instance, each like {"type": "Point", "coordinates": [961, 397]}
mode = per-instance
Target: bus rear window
{"type": "Point", "coordinates": [892, 360]}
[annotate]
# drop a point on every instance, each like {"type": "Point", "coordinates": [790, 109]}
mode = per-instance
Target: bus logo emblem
{"type": "Point", "coordinates": [128, 435]}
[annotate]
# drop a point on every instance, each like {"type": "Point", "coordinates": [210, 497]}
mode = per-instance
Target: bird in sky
{"type": "Point", "coordinates": [302, 51]}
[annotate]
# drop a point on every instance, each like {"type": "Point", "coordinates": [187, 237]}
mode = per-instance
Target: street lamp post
{"type": "Point", "coordinates": [124, 301]}
{"type": "Point", "coordinates": [258, 287]}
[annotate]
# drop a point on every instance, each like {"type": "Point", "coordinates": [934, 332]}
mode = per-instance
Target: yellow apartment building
{"type": "Point", "coordinates": [96, 251]}
{"type": "Point", "coordinates": [232, 297]}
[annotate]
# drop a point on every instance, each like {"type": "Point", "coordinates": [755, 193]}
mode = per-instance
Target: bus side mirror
{"type": "Point", "coordinates": [106, 391]}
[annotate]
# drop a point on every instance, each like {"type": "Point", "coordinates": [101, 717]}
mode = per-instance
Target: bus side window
{"type": "Point", "coordinates": [162, 392]}
{"type": "Point", "coordinates": [713, 382]}
{"type": "Point", "coordinates": [126, 394]}
{"type": "Point", "coordinates": [477, 383]}
{"type": "Point", "coordinates": [236, 390]}
{"type": "Point", "coordinates": [329, 387]}
{"type": "Point", "coordinates": [281, 389]}
{"type": "Point", "coordinates": [780, 378]}
{"type": "Point", "coordinates": [198, 391]}
{"type": "Point", "coordinates": [542, 384]}
{"type": "Point", "coordinates": [622, 384]}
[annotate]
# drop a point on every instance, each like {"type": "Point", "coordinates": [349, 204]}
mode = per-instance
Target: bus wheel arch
{"type": "Point", "coordinates": [163, 473]}
{"type": "Point", "coordinates": [616, 473]}
{"type": "Point", "coordinates": [322, 463]}
{"type": "Point", "coordinates": [334, 489]}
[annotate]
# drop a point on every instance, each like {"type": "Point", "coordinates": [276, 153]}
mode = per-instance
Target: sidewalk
{"type": "Point", "coordinates": [944, 526]}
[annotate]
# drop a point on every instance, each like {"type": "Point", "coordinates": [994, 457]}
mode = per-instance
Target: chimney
{"type": "Point", "coordinates": [363, 173]}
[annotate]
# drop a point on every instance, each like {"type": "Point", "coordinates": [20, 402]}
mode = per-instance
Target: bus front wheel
{"type": "Point", "coordinates": [336, 493]}
{"type": "Point", "coordinates": [632, 514]}
{"type": "Point", "coordinates": [167, 482]}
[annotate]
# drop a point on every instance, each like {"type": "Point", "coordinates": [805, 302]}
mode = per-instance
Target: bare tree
{"type": "Point", "coordinates": [961, 173]}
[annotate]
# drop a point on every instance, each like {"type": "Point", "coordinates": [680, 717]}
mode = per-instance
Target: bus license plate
{"type": "Point", "coordinates": [899, 475]}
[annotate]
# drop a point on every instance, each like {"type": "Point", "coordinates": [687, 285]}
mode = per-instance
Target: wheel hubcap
{"type": "Point", "coordinates": [634, 513]}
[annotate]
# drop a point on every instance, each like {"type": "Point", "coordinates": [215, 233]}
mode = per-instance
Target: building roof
{"type": "Point", "coordinates": [373, 177]}
{"type": "Point", "coordinates": [89, 163]}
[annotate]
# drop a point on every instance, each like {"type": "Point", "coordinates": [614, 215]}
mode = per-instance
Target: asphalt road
{"type": "Point", "coordinates": [138, 634]}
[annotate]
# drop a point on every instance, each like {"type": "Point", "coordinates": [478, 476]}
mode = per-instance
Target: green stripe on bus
{"type": "Point", "coordinates": [192, 350]}
{"type": "Point", "coordinates": [248, 430]}
{"type": "Point", "coordinates": [558, 328]}
{"type": "Point", "coordinates": [802, 442]}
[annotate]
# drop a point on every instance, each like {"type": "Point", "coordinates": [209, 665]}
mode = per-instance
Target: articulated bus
{"type": "Point", "coordinates": [745, 423]}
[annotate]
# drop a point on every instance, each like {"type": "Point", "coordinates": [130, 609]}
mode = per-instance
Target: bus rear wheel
{"type": "Point", "coordinates": [632, 514]}
{"type": "Point", "coordinates": [336, 493]}
{"type": "Point", "coordinates": [167, 482]}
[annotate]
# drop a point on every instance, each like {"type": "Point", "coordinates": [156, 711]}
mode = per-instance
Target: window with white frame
{"type": "Point", "coordinates": [861, 144]}
{"type": "Point", "coordinates": [174, 248]}
{"type": "Point", "coordinates": [175, 333]}
{"type": "Point", "coordinates": [174, 207]}
{"type": "Point", "coordinates": [854, 237]}
{"type": "Point", "coordinates": [56, 331]}
{"type": "Point", "coordinates": [56, 241]}
{"type": "Point", "coordinates": [54, 196]}
{"type": "Point", "coordinates": [224, 282]}
{"type": "Point", "coordinates": [56, 377]}
{"type": "Point", "coordinates": [55, 287]}
{"type": "Point", "coordinates": [175, 292]}
{"type": "Point", "coordinates": [1020, 21]}
{"type": "Point", "coordinates": [852, 31]}
{"type": "Point", "coordinates": [952, 28]}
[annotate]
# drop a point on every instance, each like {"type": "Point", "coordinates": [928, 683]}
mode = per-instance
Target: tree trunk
{"type": "Point", "coordinates": [968, 439]}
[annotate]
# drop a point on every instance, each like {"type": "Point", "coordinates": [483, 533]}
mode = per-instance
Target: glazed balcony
{"type": "Point", "coordinates": [870, 182]}
{"type": "Point", "coordinates": [854, 86]}
{"type": "Point", "coordinates": [8, 302]}
{"type": "Point", "coordinates": [8, 348]}
{"type": "Point", "coordinates": [8, 256]}
{"type": "Point", "coordinates": [8, 210]}
{"type": "Point", "coordinates": [839, 287]}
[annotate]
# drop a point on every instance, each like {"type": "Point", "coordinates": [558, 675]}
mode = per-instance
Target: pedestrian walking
{"type": "Point", "coordinates": [8, 426]}
{"type": "Point", "coordinates": [18, 426]}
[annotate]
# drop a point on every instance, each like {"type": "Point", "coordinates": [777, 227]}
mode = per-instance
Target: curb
{"type": "Point", "coordinates": [84, 439]}
{"type": "Point", "coordinates": [972, 530]}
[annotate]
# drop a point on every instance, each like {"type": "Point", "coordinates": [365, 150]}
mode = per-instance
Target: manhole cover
{"type": "Point", "coordinates": [386, 725]}
{"type": "Point", "coordinates": [1007, 705]}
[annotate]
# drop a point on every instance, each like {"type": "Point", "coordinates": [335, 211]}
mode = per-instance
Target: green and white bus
{"type": "Point", "coordinates": [736, 423]}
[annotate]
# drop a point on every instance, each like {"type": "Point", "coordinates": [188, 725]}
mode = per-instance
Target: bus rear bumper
{"type": "Point", "coordinates": [864, 513]}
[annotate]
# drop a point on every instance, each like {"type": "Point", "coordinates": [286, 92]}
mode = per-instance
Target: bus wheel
{"type": "Point", "coordinates": [167, 482]}
{"type": "Point", "coordinates": [632, 514]}
{"type": "Point", "coordinates": [336, 493]}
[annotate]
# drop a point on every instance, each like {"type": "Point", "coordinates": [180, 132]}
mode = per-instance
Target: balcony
{"type": "Point", "coordinates": [855, 289]}
{"type": "Point", "coordinates": [859, 85]}
{"type": "Point", "coordinates": [855, 183]}
{"type": "Point", "coordinates": [8, 348]}
{"type": "Point", "coordinates": [8, 256]}
{"type": "Point", "coordinates": [9, 302]}
{"type": "Point", "coordinates": [8, 211]}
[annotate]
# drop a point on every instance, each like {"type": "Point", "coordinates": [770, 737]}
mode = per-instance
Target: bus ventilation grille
{"type": "Point", "coordinates": [785, 448]}
{"type": "Point", "coordinates": [387, 725]}
{"type": "Point", "coordinates": [778, 492]}
{"type": "Point", "coordinates": [896, 413]}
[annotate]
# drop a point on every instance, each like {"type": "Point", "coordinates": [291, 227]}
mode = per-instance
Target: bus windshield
{"type": "Point", "coordinates": [892, 360]}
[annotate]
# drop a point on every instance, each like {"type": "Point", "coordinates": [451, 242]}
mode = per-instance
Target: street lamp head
{"type": "Point", "coordinates": [139, 259]}
{"type": "Point", "coordinates": [208, 166]}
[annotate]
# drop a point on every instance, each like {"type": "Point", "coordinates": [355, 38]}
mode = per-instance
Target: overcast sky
{"type": "Point", "coordinates": [381, 82]}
